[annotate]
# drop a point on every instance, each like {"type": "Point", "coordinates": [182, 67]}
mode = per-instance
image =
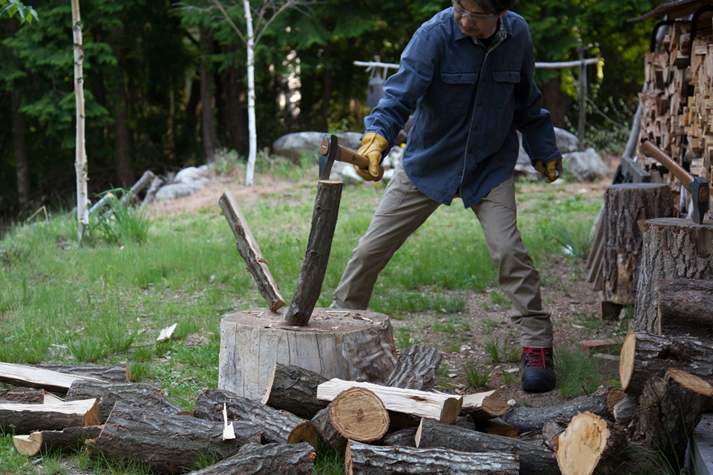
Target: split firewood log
{"type": "Point", "coordinates": [552, 430]}
{"type": "Point", "coordinates": [31, 377]}
{"type": "Point", "coordinates": [146, 396]}
{"type": "Point", "coordinates": [26, 418]}
{"type": "Point", "coordinates": [367, 459]}
{"type": "Point", "coordinates": [46, 440]}
{"type": "Point", "coordinates": [329, 434]}
{"type": "Point", "coordinates": [169, 444]}
{"type": "Point", "coordinates": [276, 426]}
{"type": "Point", "coordinates": [441, 407]}
{"type": "Point", "coordinates": [644, 355]}
{"type": "Point", "coordinates": [404, 438]}
{"type": "Point", "coordinates": [669, 410]}
{"type": "Point", "coordinates": [269, 459]}
{"type": "Point", "coordinates": [22, 396]}
{"type": "Point", "coordinates": [294, 389]}
{"type": "Point", "coordinates": [534, 459]}
{"type": "Point", "coordinates": [485, 405]}
{"type": "Point", "coordinates": [358, 414]}
{"type": "Point", "coordinates": [117, 373]}
{"type": "Point", "coordinates": [527, 419]}
{"type": "Point", "coordinates": [416, 368]}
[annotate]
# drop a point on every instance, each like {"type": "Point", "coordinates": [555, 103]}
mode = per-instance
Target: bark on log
{"type": "Point", "coordinates": [319, 245]}
{"type": "Point", "coordinates": [156, 184]}
{"type": "Point", "coordinates": [118, 373]}
{"type": "Point", "coordinates": [402, 438]}
{"type": "Point", "coordinates": [146, 396]}
{"type": "Point", "coordinates": [30, 377]}
{"type": "Point", "coordinates": [270, 459]}
{"type": "Point", "coordinates": [277, 426]}
{"type": "Point", "coordinates": [250, 252]}
{"type": "Point", "coordinates": [441, 407]}
{"type": "Point", "coordinates": [47, 440]}
{"type": "Point", "coordinates": [366, 459]}
{"type": "Point", "coordinates": [294, 389]}
{"type": "Point", "coordinates": [329, 434]}
{"type": "Point", "coordinates": [625, 411]}
{"type": "Point", "coordinates": [644, 356]}
{"type": "Point", "coordinates": [625, 205]}
{"type": "Point", "coordinates": [22, 396]}
{"type": "Point", "coordinates": [670, 408]}
{"type": "Point", "coordinates": [534, 459]}
{"type": "Point", "coordinates": [673, 249]}
{"type": "Point", "coordinates": [496, 427]}
{"type": "Point", "coordinates": [26, 418]}
{"type": "Point", "coordinates": [485, 405]}
{"type": "Point", "coordinates": [686, 307]}
{"type": "Point", "coordinates": [526, 419]}
{"type": "Point", "coordinates": [416, 368]}
{"type": "Point", "coordinates": [142, 183]}
{"type": "Point", "coordinates": [355, 344]}
{"type": "Point", "coordinates": [358, 414]}
{"type": "Point", "coordinates": [169, 444]}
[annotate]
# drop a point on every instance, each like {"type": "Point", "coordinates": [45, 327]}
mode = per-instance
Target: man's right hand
{"type": "Point", "coordinates": [372, 147]}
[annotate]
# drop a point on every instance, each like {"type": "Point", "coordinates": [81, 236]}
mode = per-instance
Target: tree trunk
{"type": "Point", "coordinates": [270, 459]}
{"type": "Point", "coordinates": [252, 126]}
{"type": "Point", "coordinates": [326, 88]}
{"type": "Point", "coordinates": [210, 136]}
{"type": "Point", "coordinates": [276, 426]}
{"type": "Point", "coordinates": [294, 389]}
{"type": "Point", "coordinates": [26, 418]}
{"type": "Point", "coordinates": [644, 356]}
{"type": "Point", "coordinates": [366, 459]}
{"type": "Point", "coordinates": [673, 249]}
{"type": "Point", "coordinates": [146, 396]}
{"type": "Point", "coordinates": [123, 136]}
{"type": "Point", "coordinates": [80, 163]}
{"type": "Point", "coordinates": [358, 414]}
{"type": "Point", "coordinates": [416, 368]}
{"type": "Point", "coordinates": [626, 205]}
{"type": "Point", "coordinates": [118, 373]}
{"type": "Point", "coordinates": [235, 105]}
{"type": "Point", "coordinates": [319, 245]}
{"type": "Point", "coordinates": [553, 101]}
{"type": "Point", "coordinates": [534, 459]}
{"type": "Point", "coordinates": [22, 163]}
{"type": "Point", "coordinates": [685, 307]}
{"type": "Point", "coordinates": [48, 440]}
{"type": "Point", "coordinates": [330, 435]}
{"type": "Point", "coordinates": [169, 444]}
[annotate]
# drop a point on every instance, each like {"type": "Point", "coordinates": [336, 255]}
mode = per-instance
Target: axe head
{"type": "Point", "coordinates": [700, 196]}
{"type": "Point", "coordinates": [328, 153]}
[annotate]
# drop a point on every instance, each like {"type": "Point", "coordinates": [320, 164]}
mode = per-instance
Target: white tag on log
{"type": "Point", "coordinates": [228, 431]}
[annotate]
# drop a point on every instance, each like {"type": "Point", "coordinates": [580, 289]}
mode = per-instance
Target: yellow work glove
{"type": "Point", "coordinates": [550, 170]}
{"type": "Point", "coordinates": [372, 146]}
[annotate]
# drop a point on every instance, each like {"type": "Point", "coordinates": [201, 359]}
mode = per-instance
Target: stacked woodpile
{"type": "Point", "coordinates": [677, 103]}
{"type": "Point", "coordinates": [403, 426]}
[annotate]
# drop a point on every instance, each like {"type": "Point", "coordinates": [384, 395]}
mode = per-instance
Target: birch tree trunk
{"type": "Point", "coordinates": [252, 154]}
{"type": "Point", "coordinates": [80, 163]}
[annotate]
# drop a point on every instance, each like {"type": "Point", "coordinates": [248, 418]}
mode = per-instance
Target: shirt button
{"type": "Point", "coordinates": [460, 173]}
{"type": "Point", "coordinates": [475, 129]}
{"type": "Point", "coordinates": [480, 104]}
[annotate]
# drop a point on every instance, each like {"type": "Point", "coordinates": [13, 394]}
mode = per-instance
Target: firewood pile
{"type": "Point", "coordinates": [404, 426]}
{"type": "Point", "coordinates": [677, 102]}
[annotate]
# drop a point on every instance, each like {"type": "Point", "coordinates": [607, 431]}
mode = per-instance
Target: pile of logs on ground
{"type": "Point", "coordinates": [404, 427]}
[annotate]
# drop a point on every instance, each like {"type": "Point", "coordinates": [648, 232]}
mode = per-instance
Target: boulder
{"type": "Point", "coordinates": [293, 145]}
{"type": "Point", "coordinates": [566, 141]}
{"type": "Point", "coordinates": [186, 182]}
{"type": "Point", "coordinates": [587, 165]}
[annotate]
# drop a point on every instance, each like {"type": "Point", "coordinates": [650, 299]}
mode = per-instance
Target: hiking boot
{"type": "Point", "coordinates": [538, 373]}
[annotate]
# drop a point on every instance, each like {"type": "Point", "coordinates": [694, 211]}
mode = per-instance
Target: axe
{"type": "Point", "coordinates": [330, 151]}
{"type": "Point", "coordinates": [697, 186]}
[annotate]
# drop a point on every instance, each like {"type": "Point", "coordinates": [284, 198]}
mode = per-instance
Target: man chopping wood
{"type": "Point", "coordinates": [468, 75]}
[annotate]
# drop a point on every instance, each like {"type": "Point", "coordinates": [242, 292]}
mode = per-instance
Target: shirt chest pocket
{"type": "Point", "coordinates": [458, 88]}
{"type": "Point", "coordinates": [501, 88]}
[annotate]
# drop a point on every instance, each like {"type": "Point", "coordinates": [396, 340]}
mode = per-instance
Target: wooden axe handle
{"type": "Point", "coordinates": [659, 155]}
{"type": "Point", "coordinates": [346, 155]}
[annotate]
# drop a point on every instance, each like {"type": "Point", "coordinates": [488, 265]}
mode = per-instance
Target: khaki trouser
{"type": "Point", "coordinates": [403, 209]}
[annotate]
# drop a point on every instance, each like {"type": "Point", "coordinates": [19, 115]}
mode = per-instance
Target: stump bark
{"type": "Point", "coordinates": [270, 459]}
{"type": "Point", "coordinates": [319, 245]}
{"type": "Point", "coordinates": [686, 307]}
{"type": "Point", "coordinates": [355, 345]}
{"type": "Point", "coordinates": [294, 389]}
{"type": "Point", "coordinates": [416, 368]}
{"type": "Point", "coordinates": [626, 205]}
{"type": "Point", "coordinates": [366, 459]}
{"type": "Point", "coordinates": [672, 249]}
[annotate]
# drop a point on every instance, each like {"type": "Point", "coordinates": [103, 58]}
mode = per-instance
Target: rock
{"type": "Point", "coordinates": [192, 175]}
{"type": "Point", "coordinates": [587, 165]}
{"type": "Point", "coordinates": [177, 190]}
{"type": "Point", "coordinates": [293, 145]}
{"type": "Point", "coordinates": [566, 142]}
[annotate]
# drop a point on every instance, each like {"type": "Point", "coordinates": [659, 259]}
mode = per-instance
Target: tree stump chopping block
{"type": "Point", "coordinates": [672, 249]}
{"type": "Point", "coordinates": [626, 205]}
{"type": "Point", "coordinates": [355, 345]}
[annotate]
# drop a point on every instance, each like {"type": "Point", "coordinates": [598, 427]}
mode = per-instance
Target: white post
{"type": "Point", "coordinates": [80, 163]}
{"type": "Point", "coordinates": [252, 132]}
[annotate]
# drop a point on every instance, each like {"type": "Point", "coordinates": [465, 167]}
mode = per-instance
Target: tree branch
{"type": "Point", "coordinates": [218, 4]}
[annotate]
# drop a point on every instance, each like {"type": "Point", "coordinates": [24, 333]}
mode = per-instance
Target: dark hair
{"type": "Point", "coordinates": [495, 6]}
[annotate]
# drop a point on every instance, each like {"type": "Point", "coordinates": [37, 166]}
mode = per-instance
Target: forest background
{"type": "Point", "coordinates": [166, 82]}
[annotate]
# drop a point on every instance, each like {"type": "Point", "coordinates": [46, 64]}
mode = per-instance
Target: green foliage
{"type": "Point", "coordinates": [577, 372]}
{"type": "Point", "coordinates": [24, 12]}
{"type": "Point", "coordinates": [119, 222]}
{"type": "Point", "coordinates": [476, 377]}
{"type": "Point", "coordinates": [504, 353]}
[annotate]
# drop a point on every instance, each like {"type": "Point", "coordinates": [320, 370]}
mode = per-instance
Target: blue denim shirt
{"type": "Point", "coordinates": [469, 102]}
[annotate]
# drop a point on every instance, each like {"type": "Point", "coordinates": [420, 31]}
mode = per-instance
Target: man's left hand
{"type": "Point", "coordinates": [550, 170]}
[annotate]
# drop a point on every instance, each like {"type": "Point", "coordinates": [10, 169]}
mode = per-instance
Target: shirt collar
{"type": "Point", "coordinates": [504, 29]}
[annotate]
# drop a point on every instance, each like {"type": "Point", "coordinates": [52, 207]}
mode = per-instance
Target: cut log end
{"type": "Point", "coordinates": [28, 444]}
{"type": "Point", "coordinates": [304, 432]}
{"type": "Point", "coordinates": [580, 447]}
{"type": "Point", "coordinates": [358, 414]}
{"type": "Point", "coordinates": [691, 382]}
{"type": "Point", "coordinates": [626, 360]}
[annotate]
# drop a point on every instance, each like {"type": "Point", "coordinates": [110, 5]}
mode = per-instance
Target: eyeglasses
{"type": "Point", "coordinates": [474, 17]}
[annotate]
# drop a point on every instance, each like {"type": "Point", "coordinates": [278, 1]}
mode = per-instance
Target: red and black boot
{"type": "Point", "coordinates": [538, 373]}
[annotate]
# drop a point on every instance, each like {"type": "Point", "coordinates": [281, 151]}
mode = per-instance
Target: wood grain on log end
{"type": "Point", "coordinates": [626, 359]}
{"type": "Point", "coordinates": [304, 432]}
{"type": "Point", "coordinates": [691, 382]}
{"type": "Point", "coordinates": [28, 444]}
{"type": "Point", "coordinates": [580, 447]}
{"type": "Point", "coordinates": [358, 414]}
{"type": "Point", "coordinates": [614, 396]}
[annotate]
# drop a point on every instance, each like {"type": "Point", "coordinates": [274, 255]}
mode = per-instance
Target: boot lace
{"type": "Point", "coordinates": [535, 357]}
